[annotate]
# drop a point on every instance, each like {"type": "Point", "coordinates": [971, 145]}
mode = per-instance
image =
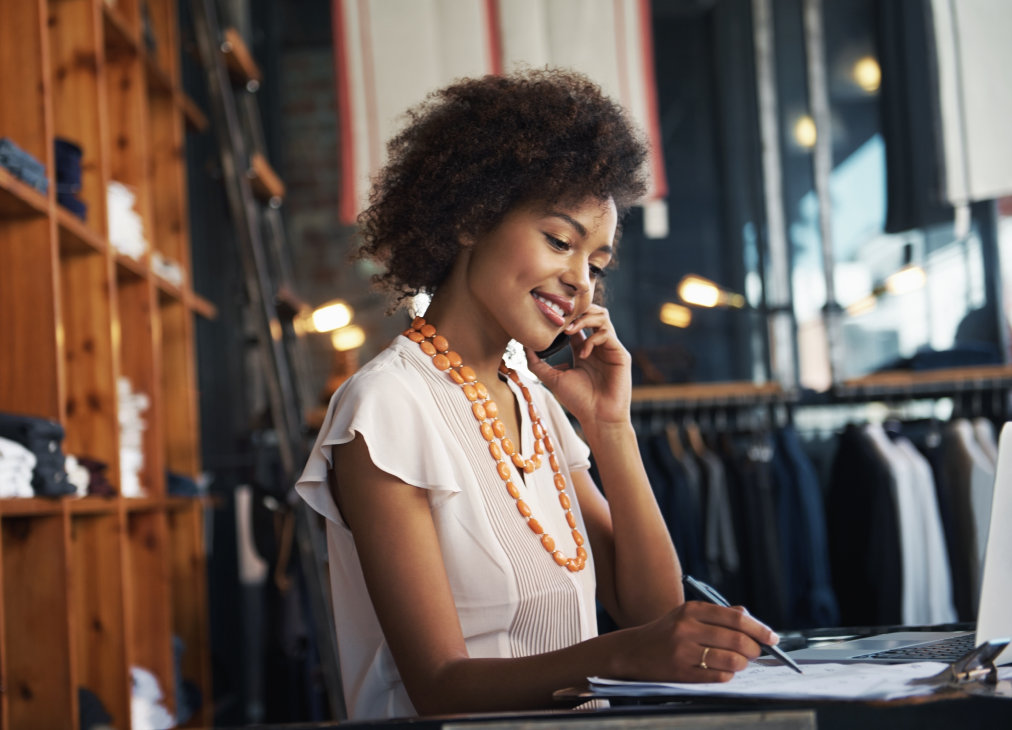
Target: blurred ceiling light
{"type": "Point", "coordinates": [347, 338]}
{"type": "Point", "coordinates": [867, 74]}
{"type": "Point", "coordinates": [676, 315]}
{"type": "Point", "coordinates": [330, 316]}
{"type": "Point", "coordinates": [910, 278]}
{"type": "Point", "coordinates": [805, 133]}
{"type": "Point", "coordinates": [863, 305]}
{"type": "Point", "coordinates": [693, 289]}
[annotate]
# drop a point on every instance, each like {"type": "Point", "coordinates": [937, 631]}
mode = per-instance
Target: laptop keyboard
{"type": "Point", "coordinates": [950, 649]}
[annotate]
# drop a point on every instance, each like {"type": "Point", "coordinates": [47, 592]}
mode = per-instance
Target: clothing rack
{"type": "Point", "coordinates": [695, 396]}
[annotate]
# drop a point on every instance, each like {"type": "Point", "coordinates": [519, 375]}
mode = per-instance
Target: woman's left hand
{"type": "Point", "coordinates": [598, 387]}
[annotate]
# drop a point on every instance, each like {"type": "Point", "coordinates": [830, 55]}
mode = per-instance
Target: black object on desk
{"type": "Point", "coordinates": [710, 595]}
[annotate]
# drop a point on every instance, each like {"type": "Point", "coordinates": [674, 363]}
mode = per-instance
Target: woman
{"type": "Point", "coordinates": [467, 540]}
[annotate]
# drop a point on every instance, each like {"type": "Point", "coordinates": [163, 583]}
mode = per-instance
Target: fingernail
{"type": "Point", "coordinates": [774, 639]}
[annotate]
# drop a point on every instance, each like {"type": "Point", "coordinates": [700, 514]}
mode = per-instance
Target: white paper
{"type": "Point", "coordinates": [819, 681]}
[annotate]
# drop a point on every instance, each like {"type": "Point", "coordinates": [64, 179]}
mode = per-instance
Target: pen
{"type": "Point", "coordinates": [710, 594]}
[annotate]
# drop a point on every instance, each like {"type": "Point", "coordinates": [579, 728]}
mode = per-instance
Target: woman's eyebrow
{"type": "Point", "coordinates": [570, 220]}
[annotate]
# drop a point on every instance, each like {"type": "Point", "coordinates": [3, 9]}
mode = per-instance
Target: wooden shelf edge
{"type": "Point", "coordinates": [127, 265]}
{"type": "Point", "coordinates": [193, 114]}
{"type": "Point", "coordinates": [168, 290]}
{"type": "Point", "coordinates": [75, 235]}
{"type": "Point", "coordinates": [30, 507]}
{"type": "Point", "coordinates": [158, 78]}
{"type": "Point", "coordinates": [266, 182]}
{"type": "Point", "coordinates": [19, 199]}
{"type": "Point", "coordinates": [119, 34]}
{"type": "Point", "coordinates": [204, 307]}
{"type": "Point", "coordinates": [708, 392]}
{"type": "Point", "coordinates": [91, 505]}
{"type": "Point", "coordinates": [241, 66]}
{"type": "Point", "coordinates": [177, 504]}
{"type": "Point", "coordinates": [899, 379]}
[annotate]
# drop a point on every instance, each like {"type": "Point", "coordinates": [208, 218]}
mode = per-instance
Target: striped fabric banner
{"type": "Point", "coordinates": [389, 54]}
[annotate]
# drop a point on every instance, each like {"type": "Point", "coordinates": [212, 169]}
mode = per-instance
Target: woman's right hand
{"type": "Point", "coordinates": [696, 642]}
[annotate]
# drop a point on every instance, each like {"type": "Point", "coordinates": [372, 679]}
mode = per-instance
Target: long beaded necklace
{"type": "Point", "coordinates": [492, 430]}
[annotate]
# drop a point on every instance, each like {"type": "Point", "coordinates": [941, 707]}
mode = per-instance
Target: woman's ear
{"type": "Point", "coordinates": [466, 240]}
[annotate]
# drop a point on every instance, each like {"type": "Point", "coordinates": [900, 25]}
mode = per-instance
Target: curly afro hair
{"type": "Point", "coordinates": [475, 150]}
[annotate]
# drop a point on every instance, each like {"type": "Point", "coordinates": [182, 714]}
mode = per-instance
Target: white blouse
{"type": "Point", "coordinates": [511, 597]}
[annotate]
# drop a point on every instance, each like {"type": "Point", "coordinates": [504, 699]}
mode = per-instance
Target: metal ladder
{"type": "Point", "coordinates": [254, 195]}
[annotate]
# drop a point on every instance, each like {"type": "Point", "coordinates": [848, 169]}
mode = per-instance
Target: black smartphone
{"type": "Point", "coordinates": [558, 344]}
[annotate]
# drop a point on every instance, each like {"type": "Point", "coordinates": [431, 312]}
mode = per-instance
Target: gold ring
{"type": "Point", "coordinates": [702, 661]}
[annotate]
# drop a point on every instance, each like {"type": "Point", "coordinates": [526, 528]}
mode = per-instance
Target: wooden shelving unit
{"type": "Point", "coordinates": [94, 586]}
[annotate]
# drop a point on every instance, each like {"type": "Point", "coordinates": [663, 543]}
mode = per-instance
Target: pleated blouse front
{"type": "Point", "coordinates": [511, 597]}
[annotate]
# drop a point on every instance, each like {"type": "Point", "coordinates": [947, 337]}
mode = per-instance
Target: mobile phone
{"type": "Point", "coordinates": [558, 344]}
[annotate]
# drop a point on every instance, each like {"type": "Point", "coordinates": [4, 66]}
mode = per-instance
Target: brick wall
{"type": "Point", "coordinates": [310, 166]}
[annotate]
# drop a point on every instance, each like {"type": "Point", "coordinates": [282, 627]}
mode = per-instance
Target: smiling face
{"type": "Point", "coordinates": [538, 269]}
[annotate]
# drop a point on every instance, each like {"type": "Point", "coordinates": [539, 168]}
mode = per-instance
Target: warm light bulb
{"type": "Point", "coordinates": [805, 133]}
{"type": "Point", "coordinates": [908, 279]}
{"type": "Point", "coordinates": [867, 74]}
{"type": "Point", "coordinates": [699, 291]}
{"type": "Point", "coordinates": [331, 316]}
{"type": "Point", "coordinates": [676, 315]}
{"type": "Point", "coordinates": [863, 305]}
{"type": "Point", "coordinates": [348, 338]}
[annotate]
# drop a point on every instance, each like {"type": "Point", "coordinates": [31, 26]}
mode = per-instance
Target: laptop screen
{"type": "Point", "coordinates": [994, 618]}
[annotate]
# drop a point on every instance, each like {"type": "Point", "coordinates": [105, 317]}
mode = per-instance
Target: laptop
{"type": "Point", "coordinates": [994, 614]}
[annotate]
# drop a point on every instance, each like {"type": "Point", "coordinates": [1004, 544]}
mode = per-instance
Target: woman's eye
{"type": "Point", "coordinates": [557, 243]}
{"type": "Point", "coordinates": [596, 272]}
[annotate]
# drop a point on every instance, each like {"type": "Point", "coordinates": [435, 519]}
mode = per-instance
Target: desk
{"type": "Point", "coordinates": [950, 713]}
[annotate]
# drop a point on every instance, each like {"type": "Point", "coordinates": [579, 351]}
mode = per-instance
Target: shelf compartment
{"type": "Point", "coordinates": [98, 610]}
{"type": "Point", "coordinates": [168, 176]}
{"type": "Point", "coordinates": [127, 138]}
{"type": "Point", "coordinates": [77, 73]}
{"type": "Point", "coordinates": [90, 401]}
{"type": "Point", "coordinates": [76, 237]}
{"type": "Point", "coordinates": [165, 28]}
{"type": "Point", "coordinates": [149, 603]}
{"type": "Point", "coordinates": [33, 370]}
{"type": "Point", "coordinates": [189, 598]}
{"type": "Point", "coordinates": [19, 200]}
{"type": "Point", "coordinates": [39, 686]}
{"type": "Point", "coordinates": [140, 363]}
{"type": "Point", "coordinates": [180, 422]}
{"type": "Point", "coordinates": [26, 80]}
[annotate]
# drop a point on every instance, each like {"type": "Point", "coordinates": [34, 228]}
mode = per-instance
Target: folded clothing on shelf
{"type": "Point", "coordinates": [22, 165]}
{"type": "Point", "coordinates": [98, 482]}
{"type": "Point", "coordinates": [68, 176]}
{"type": "Point", "coordinates": [126, 228]}
{"type": "Point", "coordinates": [44, 439]}
{"type": "Point", "coordinates": [16, 466]}
{"type": "Point", "coordinates": [132, 404]}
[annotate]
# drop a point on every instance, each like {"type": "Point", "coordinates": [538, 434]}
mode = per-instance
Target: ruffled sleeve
{"type": "Point", "coordinates": [404, 438]}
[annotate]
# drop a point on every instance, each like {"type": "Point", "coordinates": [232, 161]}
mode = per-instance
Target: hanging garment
{"type": "Point", "coordinates": [754, 496]}
{"type": "Point", "coordinates": [812, 602]}
{"type": "Point", "coordinates": [864, 547]}
{"type": "Point", "coordinates": [912, 559]}
{"type": "Point", "coordinates": [679, 507]}
{"type": "Point", "coordinates": [719, 540]}
{"type": "Point", "coordinates": [983, 430]}
{"type": "Point", "coordinates": [938, 607]}
{"type": "Point", "coordinates": [972, 478]}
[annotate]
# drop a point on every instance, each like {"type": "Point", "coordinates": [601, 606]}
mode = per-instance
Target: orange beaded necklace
{"type": "Point", "coordinates": [485, 412]}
